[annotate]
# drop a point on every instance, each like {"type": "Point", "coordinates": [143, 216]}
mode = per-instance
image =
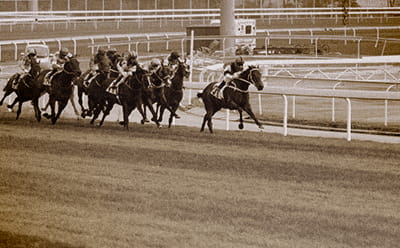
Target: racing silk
{"type": "Point", "coordinates": [103, 64]}
{"type": "Point", "coordinates": [58, 62]}
{"type": "Point", "coordinates": [26, 64]}
{"type": "Point", "coordinates": [126, 70]}
{"type": "Point", "coordinates": [230, 72]}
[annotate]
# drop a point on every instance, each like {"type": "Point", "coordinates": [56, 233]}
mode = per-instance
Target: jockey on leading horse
{"type": "Point", "coordinates": [231, 71]}
{"type": "Point", "coordinates": [26, 65]}
{"type": "Point", "coordinates": [57, 63]}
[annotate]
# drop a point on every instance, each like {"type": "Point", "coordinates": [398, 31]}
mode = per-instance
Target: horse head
{"type": "Point", "coordinates": [72, 67]}
{"type": "Point", "coordinates": [161, 75]}
{"type": "Point", "coordinates": [253, 75]}
{"type": "Point", "coordinates": [185, 68]}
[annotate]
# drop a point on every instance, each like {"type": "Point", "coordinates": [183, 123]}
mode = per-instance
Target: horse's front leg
{"type": "Point", "coordinates": [11, 106]}
{"type": "Point", "coordinates": [35, 103]}
{"type": "Point", "coordinates": [7, 93]}
{"type": "Point", "coordinates": [240, 119]}
{"type": "Point", "coordinates": [61, 106]}
{"type": "Point", "coordinates": [249, 111]}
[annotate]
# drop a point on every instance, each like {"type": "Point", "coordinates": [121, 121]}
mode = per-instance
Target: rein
{"type": "Point", "coordinates": [249, 81]}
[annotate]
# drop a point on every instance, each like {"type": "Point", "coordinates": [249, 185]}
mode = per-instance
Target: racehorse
{"type": "Point", "coordinates": [83, 88]}
{"type": "Point", "coordinates": [130, 95]}
{"type": "Point", "coordinates": [154, 92]}
{"type": "Point", "coordinates": [25, 89]}
{"type": "Point", "coordinates": [235, 96]}
{"type": "Point", "coordinates": [61, 87]}
{"type": "Point", "coordinates": [172, 95]}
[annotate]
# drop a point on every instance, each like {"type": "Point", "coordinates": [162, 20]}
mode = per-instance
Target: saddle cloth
{"type": "Point", "coordinates": [217, 92]}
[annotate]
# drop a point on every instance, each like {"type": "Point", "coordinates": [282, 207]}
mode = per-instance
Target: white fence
{"type": "Point", "coordinates": [203, 14]}
{"type": "Point", "coordinates": [347, 95]}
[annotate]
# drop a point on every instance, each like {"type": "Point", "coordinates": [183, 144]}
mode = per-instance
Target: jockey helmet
{"type": "Point", "coordinates": [64, 52]}
{"type": "Point", "coordinates": [239, 61]}
{"type": "Point", "coordinates": [155, 62]}
{"type": "Point", "coordinates": [101, 51]}
{"type": "Point", "coordinates": [132, 54]}
{"type": "Point", "coordinates": [31, 51]}
{"type": "Point", "coordinates": [111, 52]}
{"type": "Point", "coordinates": [173, 56]}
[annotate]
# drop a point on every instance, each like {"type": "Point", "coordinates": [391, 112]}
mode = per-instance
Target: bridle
{"type": "Point", "coordinates": [249, 80]}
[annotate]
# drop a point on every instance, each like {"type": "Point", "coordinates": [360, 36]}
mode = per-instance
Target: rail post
{"type": "Point", "coordinates": [333, 102]}
{"type": "Point", "coordinates": [386, 105]}
{"type": "Point", "coordinates": [348, 119]}
{"type": "Point", "coordinates": [15, 51]}
{"type": "Point", "coordinates": [285, 115]}
{"type": "Point", "coordinates": [227, 118]}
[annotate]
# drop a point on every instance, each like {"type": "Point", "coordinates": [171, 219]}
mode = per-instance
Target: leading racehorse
{"type": "Point", "coordinates": [236, 96]}
{"type": "Point", "coordinates": [61, 87]}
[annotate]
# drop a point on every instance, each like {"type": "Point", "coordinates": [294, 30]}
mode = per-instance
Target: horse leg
{"type": "Point", "coordinates": [126, 112]}
{"type": "Point", "coordinates": [160, 117]}
{"type": "Point", "coordinates": [96, 113]}
{"type": "Point", "coordinates": [248, 110]}
{"type": "Point", "coordinates": [153, 112]}
{"type": "Point", "coordinates": [19, 109]}
{"type": "Point", "coordinates": [11, 106]}
{"type": "Point", "coordinates": [71, 99]}
{"type": "Point", "coordinates": [240, 119]}
{"type": "Point", "coordinates": [7, 93]}
{"type": "Point", "coordinates": [144, 116]}
{"type": "Point", "coordinates": [106, 112]}
{"type": "Point", "coordinates": [208, 119]}
{"type": "Point", "coordinates": [35, 103]}
{"type": "Point", "coordinates": [61, 106]}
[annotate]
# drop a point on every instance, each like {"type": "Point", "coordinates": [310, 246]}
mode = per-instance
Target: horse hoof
{"type": "Point", "coordinates": [241, 126]}
{"type": "Point", "coordinates": [261, 127]}
{"type": "Point", "coordinates": [46, 115]}
{"type": "Point", "coordinates": [177, 116]}
{"type": "Point", "coordinates": [121, 123]}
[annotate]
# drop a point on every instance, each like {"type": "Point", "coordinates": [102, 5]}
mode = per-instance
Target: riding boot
{"type": "Point", "coordinates": [15, 82]}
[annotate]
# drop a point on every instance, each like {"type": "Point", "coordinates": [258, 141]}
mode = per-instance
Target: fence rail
{"type": "Point", "coordinates": [264, 13]}
{"type": "Point", "coordinates": [285, 92]}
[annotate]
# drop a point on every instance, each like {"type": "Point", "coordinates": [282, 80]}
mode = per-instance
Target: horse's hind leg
{"type": "Point", "coordinates": [207, 119]}
{"type": "Point", "coordinates": [61, 106]}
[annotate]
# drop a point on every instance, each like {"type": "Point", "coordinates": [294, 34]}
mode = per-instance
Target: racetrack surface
{"type": "Point", "coordinates": [75, 185]}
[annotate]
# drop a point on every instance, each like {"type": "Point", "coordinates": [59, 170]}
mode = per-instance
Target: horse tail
{"type": "Point", "coordinates": [200, 94]}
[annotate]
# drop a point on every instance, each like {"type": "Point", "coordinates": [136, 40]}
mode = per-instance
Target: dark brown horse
{"type": "Point", "coordinates": [236, 96]}
{"type": "Point", "coordinates": [83, 87]}
{"type": "Point", "coordinates": [153, 93]}
{"type": "Point", "coordinates": [25, 89]}
{"type": "Point", "coordinates": [172, 95]}
{"type": "Point", "coordinates": [61, 87]}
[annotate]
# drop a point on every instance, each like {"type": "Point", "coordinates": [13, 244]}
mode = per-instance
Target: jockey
{"type": "Point", "coordinates": [173, 60]}
{"type": "Point", "coordinates": [57, 63]}
{"type": "Point", "coordinates": [126, 68]}
{"type": "Point", "coordinates": [99, 64]}
{"type": "Point", "coordinates": [26, 65]}
{"type": "Point", "coordinates": [113, 56]}
{"type": "Point", "coordinates": [232, 71]}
